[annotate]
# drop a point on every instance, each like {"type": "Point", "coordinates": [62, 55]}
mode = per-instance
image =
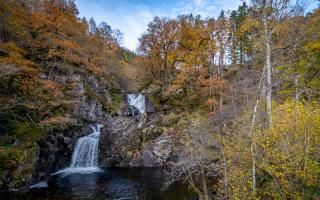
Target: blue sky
{"type": "Point", "coordinates": [132, 16]}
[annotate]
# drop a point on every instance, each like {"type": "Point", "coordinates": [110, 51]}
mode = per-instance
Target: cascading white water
{"type": "Point", "coordinates": [86, 151]}
{"type": "Point", "coordinates": [85, 155]}
{"type": "Point", "coordinates": [138, 101]}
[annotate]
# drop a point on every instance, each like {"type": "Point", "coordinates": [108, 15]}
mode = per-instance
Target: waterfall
{"type": "Point", "coordinates": [85, 154]}
{"type": "Point", "coordinates": [138, 101]}
{"type": "Point", "coordinates": [86, 151]}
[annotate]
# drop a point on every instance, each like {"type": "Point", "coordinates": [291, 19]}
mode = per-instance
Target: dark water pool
{"type": "Point", "coordinates": [111, 184]}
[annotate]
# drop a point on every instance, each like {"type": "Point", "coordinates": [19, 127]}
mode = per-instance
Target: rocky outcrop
{"type": "Point", "coordinates": [154, 153]}
{"type": "Point", "coordinates": [128, 111]}
{"type": "Point", "coordinates": [119, 140]}
{"type": "Point", "coordinates": [88, 104]}
{"type": "Point", "coordinates": [56, 151]}
{"type": "Point", "coordinates": [86, 94]}
{"type": "Point", "coordinates": [89, 110]}
{"type": "Point", "coordinates": [134, 141]}
{"type": "Point", "coordinates": [150, 108]}
{"type": "Point", "coordinates": [128, 139]}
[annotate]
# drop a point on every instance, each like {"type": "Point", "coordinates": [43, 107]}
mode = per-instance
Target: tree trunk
{"type": "Point", "coordinates": [241, 53]}
{"type": "Point", "coordinates": [268, 66]}
{"type": "Point", "coordinates": [251, 133]}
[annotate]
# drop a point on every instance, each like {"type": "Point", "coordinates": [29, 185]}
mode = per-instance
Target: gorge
{"type": "Point", "coordinates": [222, 106]}
{"type": "Point", "coordinates": [139, 177]}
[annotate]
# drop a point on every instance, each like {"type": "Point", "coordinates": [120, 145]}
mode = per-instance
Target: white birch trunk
{"type": "Point", "coordinates": [268, 65]}
{"type": "Point", "coordinates": [251, 133]}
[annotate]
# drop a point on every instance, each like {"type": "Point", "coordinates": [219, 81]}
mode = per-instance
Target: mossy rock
{"type": "Point", "coordinates": [116, 103]}
{"type": "Point", "coordinates": [154, 94]}
{"type": "Point", "coordinates": [151, 133]}
{"type": "Point", "coordinates": [170, 119]}
{"type": "Point", "coordinates": [90, 93]}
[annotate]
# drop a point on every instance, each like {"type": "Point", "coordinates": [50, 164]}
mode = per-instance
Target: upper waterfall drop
{"type": "Point", "coordinates": [85, 154]}
{"type": "Point", "coordinates": [138, 101]}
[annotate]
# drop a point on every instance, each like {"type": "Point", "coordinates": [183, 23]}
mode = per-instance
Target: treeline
{"type": "Point", "coordinates": [50, 32]}
{"type": "Point", "coordinates": [42, 40]}
{"type": "Point", "coordinates": [193, 59]}
{"type": "Point", "coordinates": [257, 70]}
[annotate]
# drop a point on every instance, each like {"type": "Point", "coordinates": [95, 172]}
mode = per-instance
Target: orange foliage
{"type": "Point", "coordinates": [58, 120]}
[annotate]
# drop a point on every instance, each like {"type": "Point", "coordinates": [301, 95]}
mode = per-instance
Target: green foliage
{"type": "Point", "coordinates": [27, 133]}
{"type": "Point", "coordinates": [117, 100]}
{"type": "Point", "coordinates": [17, 164]}
{"type": "Point", "coordinates": [90, 93]}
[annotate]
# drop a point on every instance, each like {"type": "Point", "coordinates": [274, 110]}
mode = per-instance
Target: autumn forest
{"type": "Point", "coordinates": [230, 104]}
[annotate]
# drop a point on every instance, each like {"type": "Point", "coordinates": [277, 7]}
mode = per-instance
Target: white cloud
{"type": "Point", "coordinates": [199, 2]}
{"type": "Point", "coordinates": [133, 26]}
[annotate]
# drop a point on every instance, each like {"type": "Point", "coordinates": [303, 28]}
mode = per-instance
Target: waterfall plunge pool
{"type": "Point", "coordinates": [111, 183]}
{"type": "Point", "coordinates": [83, 179]}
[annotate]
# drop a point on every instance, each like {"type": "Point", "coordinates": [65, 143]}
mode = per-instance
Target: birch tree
{"type": "Point", "coordinates": [271, 13]}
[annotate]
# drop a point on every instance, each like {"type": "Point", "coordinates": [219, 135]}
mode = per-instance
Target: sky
{"type": "Point", "coordinates": [131, 17]}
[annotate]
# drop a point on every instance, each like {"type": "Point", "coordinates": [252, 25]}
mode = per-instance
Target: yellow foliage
{"type": "Point", "coordinates": [289, 150]}
{"type": "Point", "coordinates": [287, 154]}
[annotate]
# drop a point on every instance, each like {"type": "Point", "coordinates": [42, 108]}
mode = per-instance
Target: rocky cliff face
{"type": "Point", "coordinates": [87, 96]}
{"type": "Point", "coordinates": [55, 152]}
{"type": "Point", "coordinates": [135, 141]}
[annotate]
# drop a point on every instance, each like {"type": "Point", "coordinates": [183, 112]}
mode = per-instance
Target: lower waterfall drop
{"type": "Point", "coordinates": [85, 155]}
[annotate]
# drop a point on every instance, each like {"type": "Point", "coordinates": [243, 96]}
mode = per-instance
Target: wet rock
{"type": "Point", "coordinates": [134, 142]}
{"type": "Point", "coordinates": [75, 78]}
{"type": "Point", "coordinates": [90, 111]}
{"type": "Point", "coordinates": [154, 153]}
{"type": "Point", "coordinates": [149, 107]}
{"type": "Point", "coordinates": [151, 133]}
{"type": "Point", "coordinates": [128, 111]}
{"type": "Point", "coordinates": [120, 137]}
